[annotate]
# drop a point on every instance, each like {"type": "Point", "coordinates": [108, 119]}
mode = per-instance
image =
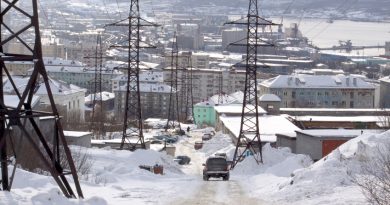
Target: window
{"type": "Point", "coordinates": [351, 104]}
{"type": "Point", "coordinates": [351, 94]}
{"type": "Point", "coordinates": [293, 94]}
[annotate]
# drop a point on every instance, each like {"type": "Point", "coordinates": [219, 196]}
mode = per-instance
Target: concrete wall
{"type": "Point", "coordinates": [309, 145]}
{"type": "Point", "coordinates": [83, 141]}
{"type": "Point", "coordinates": [204, 114]}
{"type": "Point", "coordinates": [286, 141]}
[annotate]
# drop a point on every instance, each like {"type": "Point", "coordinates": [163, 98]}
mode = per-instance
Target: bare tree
{"type": "Point", "coordinates": [374, 178]}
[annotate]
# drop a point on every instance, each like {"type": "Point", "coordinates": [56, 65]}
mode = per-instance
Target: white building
{"type": "Point", "coordinates": [69, 98]}
{"type": "Point", "coordinates": [233, 35]}
{"type": "Point", "coordinates": [76, 73]}
{"type": "Point", "coordinates": [320, 91]}
{"type": "Point", "coordinates": [205, 82]}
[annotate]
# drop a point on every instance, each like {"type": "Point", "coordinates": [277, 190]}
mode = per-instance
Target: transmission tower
{"type": "Point", "coordinates": [248, 141]}
{"type": "Point", "coordinates": [189, 97]}
{"type": "Point", "coordinates": [173, 109]}
{"type": "Point", "coordinates": [220, 88]}
{"type": "Point", "coordinates": [133, 121]}
{"type": "Point", "coordinates": [22, 117]}
{"type": "Point", "coordinates": [97, 119]}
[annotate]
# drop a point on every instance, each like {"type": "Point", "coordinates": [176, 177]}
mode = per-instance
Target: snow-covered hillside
{"type": "Point", "coordinates": [283, 178]}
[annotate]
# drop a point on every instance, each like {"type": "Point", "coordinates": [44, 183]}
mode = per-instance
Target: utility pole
{"type": "Point", "coordinates": [248, 140]}
{"type": "Point", "coordinates": [21, 117]}
{"type": "Point", "coordinates": [173, 109]}
{"type": "Point", "coordinates": [132, 120]}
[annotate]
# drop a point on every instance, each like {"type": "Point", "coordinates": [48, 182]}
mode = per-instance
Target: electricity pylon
{"type": "Point", "coordinates": [248, 140]}
{"type": "Point", "coordinates": [20, 117]}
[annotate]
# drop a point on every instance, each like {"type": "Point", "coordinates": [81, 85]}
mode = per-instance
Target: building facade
{"type": "Point", "coordinates": [320, 91]}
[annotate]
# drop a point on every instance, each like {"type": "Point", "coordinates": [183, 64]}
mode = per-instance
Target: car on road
{"type": "Point", "coordinates": [216, 167]}
{"type": "Point", "coordinates": [206, 137]}
{"type": "Point", "coordinates": [182, 159]}
{"type": "Point", "coordinates": [198, 145]}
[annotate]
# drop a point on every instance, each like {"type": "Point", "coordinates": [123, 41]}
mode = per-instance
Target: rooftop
{"type": "Point", "coordinates": [269, 126]}
{"type": "Point", "coordinates": [316, 81]}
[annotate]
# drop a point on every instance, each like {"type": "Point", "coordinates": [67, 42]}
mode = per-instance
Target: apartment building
{"type": "Point", "coordinates": [205, 82]}
{"type": "Point", "coordinates": [69, 98]}
{"type": "Point", "coordinates": [320, 91]}
{"type": "Point", "coordinates": [154, 100]}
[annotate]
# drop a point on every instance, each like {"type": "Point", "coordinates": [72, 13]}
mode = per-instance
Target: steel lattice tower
{"type": "Point", "coordinates": [220, 88]}
{"type": "Point", "coordinates": [21, 116]}
{"type": "Point", "coordinates": [173, 109]}
{"type": "Point", "coordinates": [189, 97]}
{"type": "Point", "coordinates": [133, 98]}
{"type": "Point", "coordinates": [248, 141]}
{"type": "Point", "coordinates": [97, 111]}
{"type": "Point", "coordinates": [132, 120]}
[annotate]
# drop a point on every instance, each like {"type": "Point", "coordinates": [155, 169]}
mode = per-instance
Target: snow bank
{"type": "Point", "coordinates": [278, 162]}
{"type": "Point", "coordinates": [218, 143]}
{"type": "Point", "coordinates": [329, 179]}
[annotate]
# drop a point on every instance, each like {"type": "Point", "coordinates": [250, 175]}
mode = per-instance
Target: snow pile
{"type": "Point", "coordinates": [218, 143]}
{"type": "Point", "coordinates": [329, 179]}
{"type": "Point", "coordinates": [278, 162]}
{"type": "Point", "coordinates": [114, 178]}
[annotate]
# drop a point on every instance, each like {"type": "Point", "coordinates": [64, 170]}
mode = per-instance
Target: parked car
{"type": "Point", "coordinates": [206, 137]}
{"type": "Point", "coordinates": [182, 159]}
{"type": "Point", "coordinates": [216, 167]}
{"type": "Point", "coordinates": [156, 142]}
{"type": "Point", "coordinates": [166, 138]}
{"type": "Point", "coordinates": [198, 145]}
{"type": "Point", "coordinates": [221, 154]}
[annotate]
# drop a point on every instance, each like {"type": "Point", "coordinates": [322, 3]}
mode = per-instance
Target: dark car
{"type": "Point", "coordinates": [216, 167]}
{"type": "Point", "coordinates": [182, 159]}
{"type": "Point", "coordinates": [206, 137]}
{"type": "Point", "coordinates": [198, 145]}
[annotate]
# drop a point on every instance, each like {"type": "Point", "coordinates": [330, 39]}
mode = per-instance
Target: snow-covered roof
{"type": "Point", "coordinates": [234, 109]}
{"type": "Point", "coordinates": [334, 109]}
{"type": "Point", "coordinates": [104, 97]}
{"type": "Point", "coordinates": [269, 98]}
{"type": "Point", "coordinates": [269, 126]}
{"type": "Point", "coordinates": [341, 118]}
{"type": "Point", "coordinates": [338, 132]}
{"type": "Point", "coordinates": [13, 100]}
{"type": "Point", "coordinates": [316, 81]}
{"type": "Point", "coordinates": [234, 98]}
{"type": "Point", "coordinates": [385, 79]}
{"type": "Point", "coordinates": [76, 133]}
{"type": "Point", "coordinates": [145, 76]}
{"type": "Point", "coordinates": [77, 69]}
{"type": "Point", "coordinates": [150, 87]}
{"type": "Point", "coordinates": [57, 87]}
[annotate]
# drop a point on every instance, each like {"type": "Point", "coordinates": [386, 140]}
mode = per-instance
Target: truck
{"type": "Point", "coordinates": [216, 167]}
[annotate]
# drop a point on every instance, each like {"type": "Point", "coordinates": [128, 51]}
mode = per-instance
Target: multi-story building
{"type": "Point", "coordinates": [384, 97]}
{"type": "Point", "coordinates": [154, 100]}
{"type": "Point", "coordinates": [154, 93]}
{"type": "Point", "coordinates": [233, 35]}
{"type": "Point", "coordinates": [320, 91]}
{"type": "Point", "coordinates": [206, 82]}
{"type": "Point", "coordinates": [74, 72]}
{"type": "Point", "coordinates": [69, 98]}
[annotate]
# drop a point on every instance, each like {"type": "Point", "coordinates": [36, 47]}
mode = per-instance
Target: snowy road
{"type": "Point", "coordinates": [215, 191]}
{"type": "Point", "coordinates": [218, 193]}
